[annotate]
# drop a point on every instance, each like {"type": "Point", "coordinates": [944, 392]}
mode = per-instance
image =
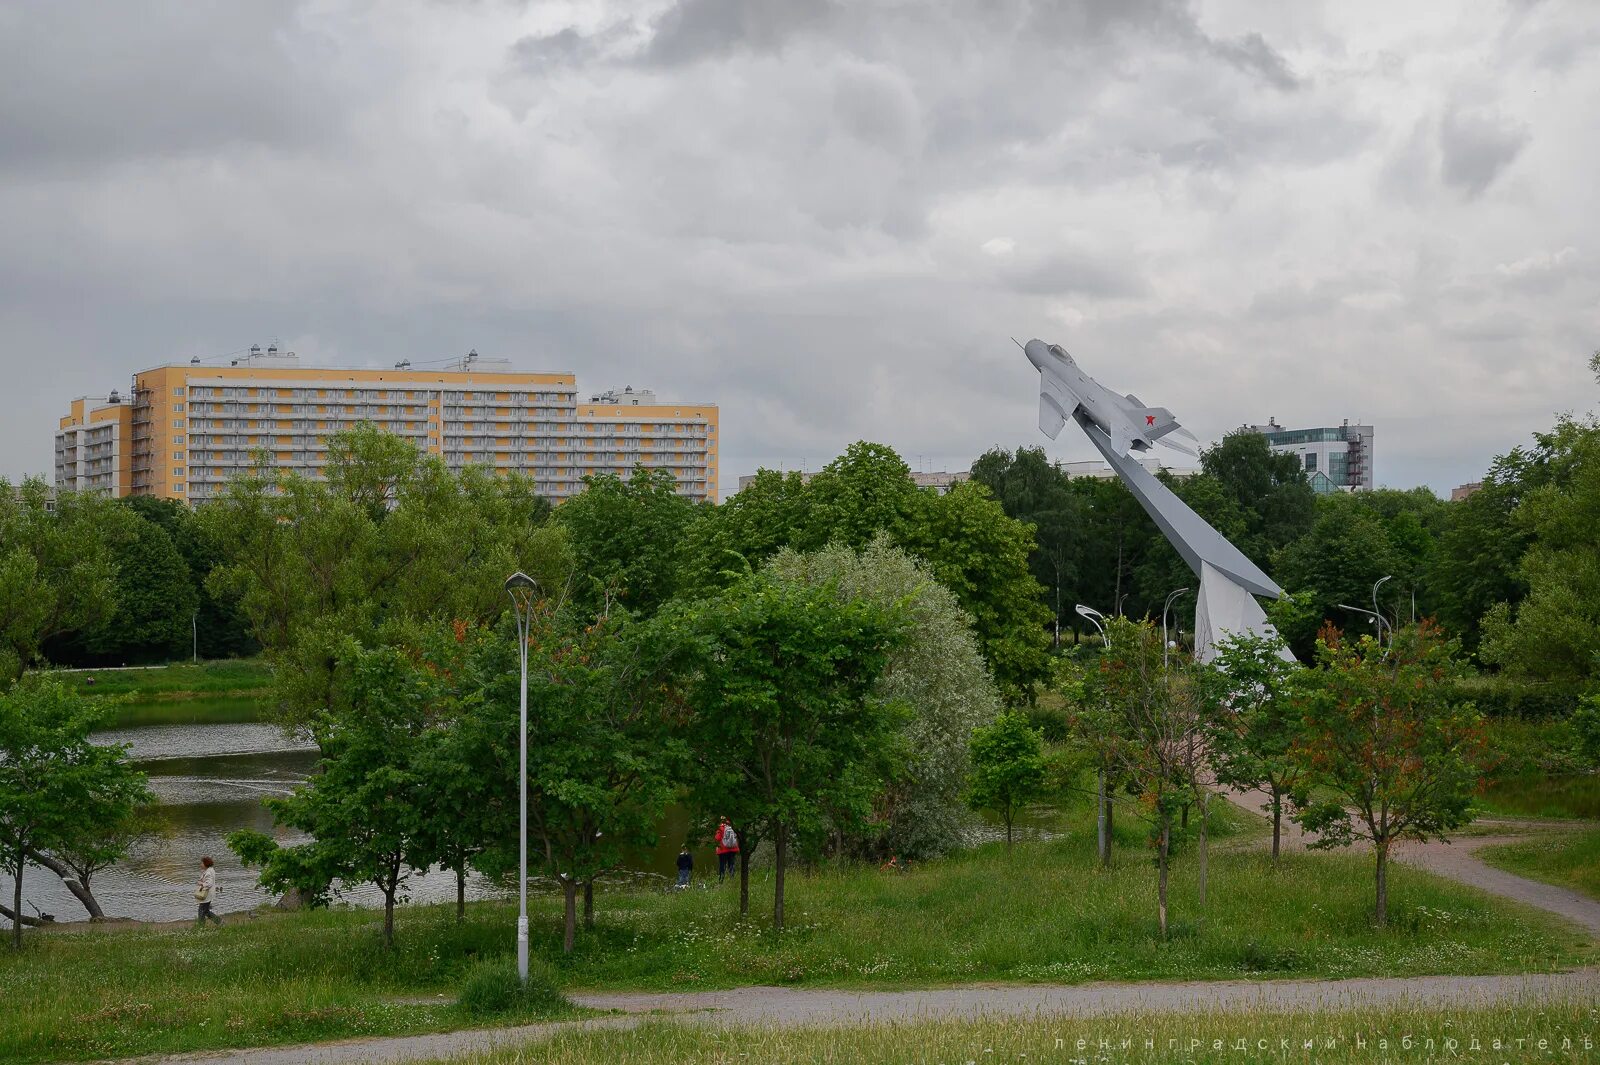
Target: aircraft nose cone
{"type": "Point", "coordinates": [1037, 351]}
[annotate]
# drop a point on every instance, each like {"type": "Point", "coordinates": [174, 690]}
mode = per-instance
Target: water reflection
{"type": "Point", "coordinates": [209, 780]}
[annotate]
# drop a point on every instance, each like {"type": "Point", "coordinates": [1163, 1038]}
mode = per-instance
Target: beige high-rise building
{"type": "Point", "coordinates": [92, 445]}
{"type": "Point", "coordinates": [191, 428]}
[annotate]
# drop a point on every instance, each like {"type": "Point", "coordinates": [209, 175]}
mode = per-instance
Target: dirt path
{"type": "Point", "coordinates": [1458, 860]}
{"type": "Point", "coordinates": [787, 1006]}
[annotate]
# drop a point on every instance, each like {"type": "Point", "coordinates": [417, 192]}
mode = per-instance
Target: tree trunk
{"type": "Point", "coordinates": [1277, 823]}
{"type": "Point", "coordinates": [1383, 885]}
{"type": "Point", "coordinates": [588, 903]}
{"type": "Point", "coordinates": [461, 893]}
{"type": "Point", "coordinates": [780, 844]}
{"type": "Point", "coordinates": [1105, 849]}
{"type": "Point", "coordinates": [569, 889]}
{"type": "Point", "coordinates": [16, 904]}
{"type": "Point", "coordinates": [744, 878]}
{"type": "Point", "coordinates": [75, 884]}
{"type": "Point", "coordinates": [1204, 853]}
{"type": "Point", "coordinates": [1161, 879]}
{"type": "Point", "coordinates": [388, 916]}
{"type": "Point", "coordinates": [1008, 830]}
{"type": "Point", "coordinates": [1184, 815]}
{"type": "Point", "coordinates": [5, 911]}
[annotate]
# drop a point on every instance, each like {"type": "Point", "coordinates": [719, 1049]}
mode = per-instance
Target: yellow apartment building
{"type": "Point", "coordinates": [190, 428]}
{"type": "Point", "coordinates": [92, 447]}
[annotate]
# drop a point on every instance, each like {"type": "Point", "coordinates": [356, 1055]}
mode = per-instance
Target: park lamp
{"type": "Point", "coordinates": [1377, 618]}
{"type": "Point", "coordinates": [524, 592]}
{"type": "Point", "coordinates": [1171, 598]}
{"type": "Point", "coordinates": [1095, 618]}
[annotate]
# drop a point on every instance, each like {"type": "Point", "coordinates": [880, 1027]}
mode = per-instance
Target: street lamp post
{"type": "Point", "coordinates": [1376, 585]}
{"type": "Point", "coordinates": [1375, 614]}
{"type": "Point", "coordinates": [194, 634]}
{"type": "Point", "coordinates": [1164, 608]}
{"type": "Point", "coordinates": [524, 590]}
{"type": "Point", "coordinates": [1102, 829]}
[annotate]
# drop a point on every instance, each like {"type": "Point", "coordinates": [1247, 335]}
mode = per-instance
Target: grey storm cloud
{"type": "Point", "coordinates": [82, 85]}
{"type": "Point", "coordinates": [825, 216]}
{"type": "Point", "coordinates": [1475, 148]}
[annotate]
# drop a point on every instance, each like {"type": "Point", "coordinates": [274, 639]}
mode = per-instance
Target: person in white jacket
{"type": "Point", "coordinates": [205, 892]}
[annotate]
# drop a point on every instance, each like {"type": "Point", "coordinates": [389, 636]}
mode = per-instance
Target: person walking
{"type": "Point", "coordinates": [727, 848]}
{"type": "Point", "coordinates": [685, 866]}
{"type": "Point", "coordinates": [205, 892]}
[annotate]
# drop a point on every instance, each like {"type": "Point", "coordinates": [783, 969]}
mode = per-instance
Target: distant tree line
{"type": "Point", "coordinates": [1512, 571]}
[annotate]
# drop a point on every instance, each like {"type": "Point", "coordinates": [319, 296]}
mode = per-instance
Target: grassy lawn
{"type": "Point", "coordinates": [1569, 860]}
{"type": "Point", "coordinates": [1042, 913]}
{"type": "Point", "coordinates": [219, 692]}
{"type": "Point", "coordinates": [303, 977]}
{"type": "Point", "coordinates": [1046, 914]}
{"type": "Point", "coordinates": [1410, 1035]}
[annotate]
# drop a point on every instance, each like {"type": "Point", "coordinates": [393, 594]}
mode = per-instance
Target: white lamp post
{"type": "Point", "coordinates": [1164, 608]}
{"type": "Point", "coordinates": [1102, 844]}
{"type": "Point", "coordinates": [523, 590]}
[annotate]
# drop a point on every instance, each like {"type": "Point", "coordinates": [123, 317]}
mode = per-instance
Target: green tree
{"type": "Point", "coordinates": [779, 680]}
{"type": "Point", "coordinates": [1270, 490]}
{"type": "Point", "coordinates": [57, 789]}
{"type": "Point", "coordinates": [1385, 738]}
{"type": "Point", "coordinates": [156, 602]}
{"type": "Point", "coordinates": [220, 630]}
{"type": "Point", "coordinates": [1007, 767]}
{"type": "Point", "coordinates": [1031, 489]}
{"type": "Point", "coordinates": [629, 540]}
{"type": "Point", "coordinates": [602, 759]}
{"type": "Point", "coordinates": [1093, 736]}
{"type": "Point", "coordinates": [727, 541]}
{"type": "Point", "coordinates": [57, 568]}
{"type": "Point", "coordinates": [1254, 747]}
{"type": "Point", "coordinates": [1159, 706]}
{"type": "Point", "coordinates": [937, 672]}
{"type": "Point", "coordinates": [388, 536]}
{"type": "Point", "coordinates": [1554, 632]}
{"type": "Point", "coordinates": [982, 556]}
{"type": "Point", "coordinates": [862, 492]}
{"type": "Point", "coordinates": [1338, 561]}
{"type": "Point", "coordinates": [366, 808]}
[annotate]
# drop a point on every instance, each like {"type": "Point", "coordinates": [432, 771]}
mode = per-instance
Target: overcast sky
{"type": "Point", "coordinates": [825, 217]}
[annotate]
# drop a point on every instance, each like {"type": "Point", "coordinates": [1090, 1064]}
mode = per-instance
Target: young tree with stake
{"type": "Point", "coordinates": [1385, 738]}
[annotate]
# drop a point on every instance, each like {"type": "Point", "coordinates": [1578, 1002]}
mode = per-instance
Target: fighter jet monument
{"type": "Point", "coordinates": [1119, 425]}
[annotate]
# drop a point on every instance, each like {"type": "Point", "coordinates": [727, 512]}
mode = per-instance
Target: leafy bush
{"type": "Point", "coordinates": [1049, 721]}
{"type": "Point", "coordinates": [1508, 697]}
{"type": "Point", "coordinates": [1586, 731]}
{"type": "Point", "coordinates": [491, 989]}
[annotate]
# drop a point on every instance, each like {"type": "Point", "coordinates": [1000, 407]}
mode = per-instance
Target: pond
{"type": "Point", "coordinates": [209, 780]}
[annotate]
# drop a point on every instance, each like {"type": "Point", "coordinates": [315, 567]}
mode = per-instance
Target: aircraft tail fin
{"type": "Point", "coordinates": [1153, 422]}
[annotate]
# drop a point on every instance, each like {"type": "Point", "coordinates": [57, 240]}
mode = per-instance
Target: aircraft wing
{"type": "Point", "coordinates": [1056, 403]}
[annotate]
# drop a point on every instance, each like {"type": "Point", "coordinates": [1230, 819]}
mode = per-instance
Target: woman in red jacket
{"type": "Point", "coordinates": [727, 842]}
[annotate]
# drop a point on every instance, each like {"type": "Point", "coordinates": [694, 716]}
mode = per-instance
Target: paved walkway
{"type": "Point", "coordinates": [787, 1006]}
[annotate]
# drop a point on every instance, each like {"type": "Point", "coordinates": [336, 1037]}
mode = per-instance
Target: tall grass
{"type": "Point", "coordinates": [1569, 860]}
{"type": "Point", "coordinates": [1046, 913]}
{"type": "Point", "coordinates": [1040, 912]}
{"type": "Point", "coordinates": [247, 676]}
{"type": "Point", "coordinates": [223, 692]}
{"type": "Point", "coordinates": [281, 979]}
{"type": "Point", "coordinates": [1396, 1035]}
